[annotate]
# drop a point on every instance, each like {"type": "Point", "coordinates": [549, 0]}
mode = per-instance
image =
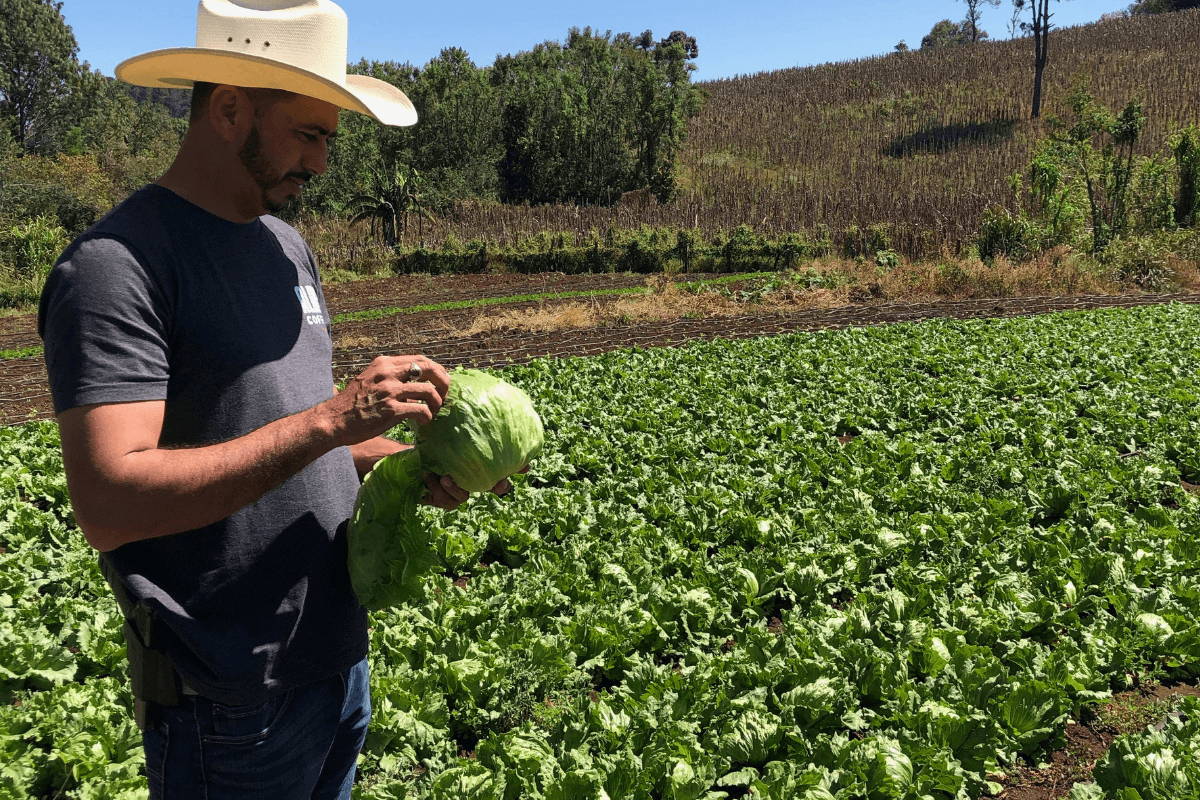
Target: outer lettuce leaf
{"type": "Point", "coordinates": [389, 548]}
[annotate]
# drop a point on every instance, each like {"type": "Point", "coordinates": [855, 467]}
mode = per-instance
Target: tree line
{"type": "Point", "coordinates": [579, 121]}
{"type": "Point", "coordinates": [582, 122]}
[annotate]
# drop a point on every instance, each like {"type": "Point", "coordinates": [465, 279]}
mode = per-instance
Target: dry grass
{"type": "Point", "coordinates": [351, 342]}
{"type": "Point", "coordinates": [1060, 271]}
{"type": "Point", "coordinates": [842, 283]}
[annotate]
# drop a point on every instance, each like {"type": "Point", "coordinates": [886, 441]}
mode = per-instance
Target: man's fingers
{"type": "Point", "coordinates": [425, 393]}
{"type": "Point", "coordinates": [419, 413]}
{"type": "Point", "coordinates": [453, 490]}
{"type": "Point", "coordinates": [502, 488]}
{"type": "Point", "coordinates": [432, 373]}
{"type": "Point", "coordinates": [437, 496]}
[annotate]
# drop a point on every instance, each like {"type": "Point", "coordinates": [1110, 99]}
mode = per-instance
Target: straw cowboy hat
{"type": "Point", "coordinates": [296, 45]}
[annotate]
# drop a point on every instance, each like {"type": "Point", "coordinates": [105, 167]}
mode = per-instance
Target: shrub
{"type": "Point", "coordinates": [887, 259]}
{"type": "Point", "coordinates": [1143, 261]}
{"type": "Point", "coordinates": [29, 249]}
{"type": "Point", "coordinates": [1013, 236]}
{"type": "Point", "coordinates": [71, 189]}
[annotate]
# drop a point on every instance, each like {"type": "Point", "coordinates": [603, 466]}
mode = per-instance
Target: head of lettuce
{"type": "Point", "coordinates": [486, 431]}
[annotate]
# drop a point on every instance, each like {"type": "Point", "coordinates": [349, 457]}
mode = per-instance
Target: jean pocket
{"type": "Point", "coordinates": [247, 724]}
{"type": "Point", "coordinates": [156, 741]}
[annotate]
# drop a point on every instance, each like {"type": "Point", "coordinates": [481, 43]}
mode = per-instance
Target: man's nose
{"type": "Point", "coordinates": [317, 159]}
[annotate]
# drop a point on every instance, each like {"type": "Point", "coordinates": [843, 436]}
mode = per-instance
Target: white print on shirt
{"type": "Point", "coordinates": [310, 306]}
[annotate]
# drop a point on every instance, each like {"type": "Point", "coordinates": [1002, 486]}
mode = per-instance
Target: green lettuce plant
{"type": "Point", "coordinates": [486, 431]}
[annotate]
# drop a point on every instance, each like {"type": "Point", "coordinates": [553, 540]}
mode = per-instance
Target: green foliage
{"type": "Point", "coordinates": [644, 250]}
{"type": "Point", "coordinates": [590, 119]}
{"type": "Point", "coordinates": [1186, 146]}
{"type": "Point", "coordinates": [1158, 764]}
{"type": "Point", "coordinates": [1143, 261]}
{"type": "Point", "coordinates": [75, 190]}
{"type": "Point", "coordinates": [392, 197]}
{"type": "Point", "coordinates": [583, 121]}
{"type": "Point", "coordinates": [37, 68]}
{"type": "Point", "coordinates": [30, 249]}
{"type": "Point", "coordinates": [1013, 236]}
{"type": "Point", "coordinates": [948, 34]}
{"type": "Point", "coordinates": [1096, 147]}
{"type": "Point", "coordinates": [866, 242]}
{"type": "Point", "coordinates": [1162, 6]}
{"type": "Point", "coordinates": [877, 563]}
{"type": "Point", "coordinates": [458, 144]}
{"type": "Point", "coordinates": [1085, 179]}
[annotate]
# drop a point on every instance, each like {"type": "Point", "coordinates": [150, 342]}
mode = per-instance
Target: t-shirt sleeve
{"type": "Point", "coordinates": [104, 321]}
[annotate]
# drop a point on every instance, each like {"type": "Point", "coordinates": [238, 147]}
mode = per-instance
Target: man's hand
{"type": "Point", "coordinates": [390, 390]}
{"type": "Point", "coordinates": [444, 493]}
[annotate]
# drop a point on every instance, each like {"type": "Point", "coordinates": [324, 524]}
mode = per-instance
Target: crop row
{"type": "Point", "coordinates": [923, 142]}
{"type": "Point", "coordinates": [871, 563]}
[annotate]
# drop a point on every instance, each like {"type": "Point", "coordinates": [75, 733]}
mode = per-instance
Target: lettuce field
{"type": "Point", "coordinates": [866, 564]}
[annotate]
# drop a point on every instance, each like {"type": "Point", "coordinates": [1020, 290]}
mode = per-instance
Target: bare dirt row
{"type": "Point", "coordinates": [405, 291]}
{"type": "Point", "coordinates": [24, 394]}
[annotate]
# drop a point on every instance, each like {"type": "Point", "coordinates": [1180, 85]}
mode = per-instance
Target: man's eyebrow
{"type": "Point", "coordinates": [328, 134]}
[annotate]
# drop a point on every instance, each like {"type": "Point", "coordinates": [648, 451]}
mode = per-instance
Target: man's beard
{"type": "Point", "coordinates": [263, 172]}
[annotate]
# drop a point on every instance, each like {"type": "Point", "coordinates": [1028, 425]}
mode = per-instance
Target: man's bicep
{"type": "Point", "coordinates": [96, 438]}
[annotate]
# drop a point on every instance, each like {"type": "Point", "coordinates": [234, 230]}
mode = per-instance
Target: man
{"type": "Point", "coordinates": [189, 354]}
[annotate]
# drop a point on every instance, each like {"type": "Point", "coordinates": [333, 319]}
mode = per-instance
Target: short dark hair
{"type": "Point", "coordinates": [201, 92]}
{"type": "Point", "coordinates": [263, 98]}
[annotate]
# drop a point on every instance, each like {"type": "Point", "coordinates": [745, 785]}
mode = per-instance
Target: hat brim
{"type": "Point", "coordinates": [180, 67]}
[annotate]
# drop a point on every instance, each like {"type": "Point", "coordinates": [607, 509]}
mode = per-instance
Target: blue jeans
{"type": "Point", "coordinates": [302, 743]}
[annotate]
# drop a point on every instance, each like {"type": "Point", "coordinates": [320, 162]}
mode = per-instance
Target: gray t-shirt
{"type": "Point", "coordinates": [226, 322]}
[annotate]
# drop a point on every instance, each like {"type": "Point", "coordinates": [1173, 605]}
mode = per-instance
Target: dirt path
{"type": "Point", "coordinates": [403, 291]}
{"type": "Point", "coordinates": [24, 394]}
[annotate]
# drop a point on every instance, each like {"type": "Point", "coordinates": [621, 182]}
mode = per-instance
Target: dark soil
{"type": "Point", "coordinates": [1086, 745]}
{"type": "Point", "coordinates": [403, 291]}
{"type": "Point", "coordinates": [24, 394]}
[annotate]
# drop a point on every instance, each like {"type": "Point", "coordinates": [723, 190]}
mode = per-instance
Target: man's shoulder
{"type": "Point", "coordinates": [290, 240]}
{"type": "Point", "coordinates": [134, 224]}
{"type": "Point", "coordinates": [140, 211]}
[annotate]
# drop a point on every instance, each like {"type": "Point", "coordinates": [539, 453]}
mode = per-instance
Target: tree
{"type": "Point", "coordinates": [974, 13]}
{"type": "Point", "coordinates": [901, 46]}
{"type": "Point", "coordinates": [1097, 150]}
{"type": "Point", "coordinates": [1039, 26]}
{"type": "Point", "coordinates": [457, 144]}
{"type": "Point", "coordinates": [393, 195]}
{"type": "Point", "coordinates": [1186, 145]}
{"type": "Point", "coordinates": [690, 49]}
{"type": "Point", "coordinates": [946, 34]}
{"type": "Point", "coordinates": [37, 65]}
{"type": "Point", "coordinates": [586, 120]}
{"type": "Point", "coordinates": [1162, 6]}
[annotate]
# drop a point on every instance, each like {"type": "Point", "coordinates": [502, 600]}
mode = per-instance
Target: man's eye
{"type": "Point", "coordinates": [308, 137]}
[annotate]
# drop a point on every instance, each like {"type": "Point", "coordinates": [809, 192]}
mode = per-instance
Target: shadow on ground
{"type": "Point", "coordinates": [944, 138]}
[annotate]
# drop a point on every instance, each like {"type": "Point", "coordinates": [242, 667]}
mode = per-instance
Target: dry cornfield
{"type": "Point", "coordinates": [922, 141]}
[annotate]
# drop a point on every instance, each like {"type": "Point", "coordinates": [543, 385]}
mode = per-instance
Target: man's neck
{"type": "Point", "coordinates": [196, 177]}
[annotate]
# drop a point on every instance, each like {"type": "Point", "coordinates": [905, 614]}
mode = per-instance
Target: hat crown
{"type": "Point", "coordinates": [309, 34]}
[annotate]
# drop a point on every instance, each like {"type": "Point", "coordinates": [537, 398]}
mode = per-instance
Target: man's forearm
{"type": "Point", "coordinates": [367, 453]}
{"type": "Point", "coordinates": [155, 492]}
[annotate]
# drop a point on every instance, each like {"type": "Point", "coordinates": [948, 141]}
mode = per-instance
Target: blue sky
{"type": "Point", "coordinates": [734, 37]}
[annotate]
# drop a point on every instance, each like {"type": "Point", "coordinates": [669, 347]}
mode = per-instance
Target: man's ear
{"type": "Point", "coordinates": [231, 114]}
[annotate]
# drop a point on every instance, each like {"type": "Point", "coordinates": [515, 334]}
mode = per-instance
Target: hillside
{"type": "Point", "coordinates": [923, 141]}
